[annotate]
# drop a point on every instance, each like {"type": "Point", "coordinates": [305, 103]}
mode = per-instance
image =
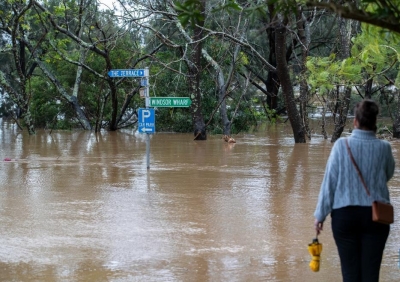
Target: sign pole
{"type": "Point", "coordinates": [147, 101]}
{"type": "Point", "coordinates": [146, 117]}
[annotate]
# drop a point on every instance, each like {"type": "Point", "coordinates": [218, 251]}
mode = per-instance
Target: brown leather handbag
{"type": "Point", "coordinates": [381, 212]}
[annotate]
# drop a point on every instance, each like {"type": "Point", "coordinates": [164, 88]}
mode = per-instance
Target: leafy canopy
{"type": "Point", "coordinates": [374, 54]}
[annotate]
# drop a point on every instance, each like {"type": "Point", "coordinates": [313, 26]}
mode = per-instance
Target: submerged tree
{"type": "Point", "coordinates": [15, 26]}
{"type": "Point", "coordinates": [373, 60]}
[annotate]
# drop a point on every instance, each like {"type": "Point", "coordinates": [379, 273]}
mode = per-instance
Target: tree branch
{"type": "Point", "coordinates": [390, 21]}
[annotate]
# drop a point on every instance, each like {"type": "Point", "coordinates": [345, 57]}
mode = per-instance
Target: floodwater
{"type": "Point", "coordinates": [79, 206]}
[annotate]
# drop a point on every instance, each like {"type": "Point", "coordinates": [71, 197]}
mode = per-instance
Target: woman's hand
{"type": "Point", "coordinates": [318, 226]}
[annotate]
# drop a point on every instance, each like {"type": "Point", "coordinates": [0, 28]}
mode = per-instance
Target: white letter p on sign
{"type": "Point", "coordinates": [145, 114]}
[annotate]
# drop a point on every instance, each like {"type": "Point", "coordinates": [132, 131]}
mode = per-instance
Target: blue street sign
{"type": "Point", "coordinates": [146, 120]}
{"type": "Point", "coordinates": [128, 73]}
{"type": "Point", "coordinates": [143, 82]}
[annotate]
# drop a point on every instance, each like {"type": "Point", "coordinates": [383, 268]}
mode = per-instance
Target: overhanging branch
{"type": "Point", "coordinates": [391, 21]}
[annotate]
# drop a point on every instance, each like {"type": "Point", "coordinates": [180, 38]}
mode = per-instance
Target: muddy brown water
{"type": "Point", "coordinates": [79, 206]}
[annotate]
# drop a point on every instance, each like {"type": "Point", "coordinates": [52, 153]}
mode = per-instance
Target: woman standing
{"type": "Point", "coordinates": [359, 240]}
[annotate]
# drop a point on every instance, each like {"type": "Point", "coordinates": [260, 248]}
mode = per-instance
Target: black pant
{"type": "Point", "coordinates": [360, 243]}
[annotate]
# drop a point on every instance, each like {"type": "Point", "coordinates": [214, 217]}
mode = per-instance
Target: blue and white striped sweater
{"type": "Point", "coordinates": [341, 185]}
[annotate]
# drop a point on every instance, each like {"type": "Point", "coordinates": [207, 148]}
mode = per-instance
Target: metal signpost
{"type": "Point", "coordinates": [146, 117]}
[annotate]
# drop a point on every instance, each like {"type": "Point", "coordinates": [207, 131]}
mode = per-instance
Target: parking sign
{"type": "Point", "coordinates": [146, 120]}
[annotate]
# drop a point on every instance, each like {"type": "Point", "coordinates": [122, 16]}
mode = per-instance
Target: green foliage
{"type": "Point", "coordinates": [174, 119]}
{"type": "Point", "coordinates": [229, 6]}
{"type": "Point", "coordinates": [244, 119]}
{"type": "Point", "coordinates": [384, 126]}
{"type": "Point", "coordinates": [170, 84]}
{"type": "Point", "coordinates": [286, 7]}
{"type": "Point", "coordinates": [59, 10]}
{"type": "Point", "coordinates": [377, 52]}
{"type": "Point", "coordinates": [44, 107]}
{"type": "Point", "coordinates": [94, 91]}
{"type": "Point", "coordinates": [256, 11]}
{"type": "Point", "coordinates": [6, 106]}
{"type": "Point", "coordinates": [189, 12]}
{"type": "Point", "coordinates": [374, 53]}
{"type": "Point", "coordinates": [382, 9]}
{"type": "Point", "coordinates": [322, 73]}
{"type": "Point", "coordinates": [182, 122]}
{"type": "Point", "coordinates": [273, 117]}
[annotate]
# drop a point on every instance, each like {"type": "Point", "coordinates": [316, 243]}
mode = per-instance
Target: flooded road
{"type": "Point", "coordinates": [79, 206]}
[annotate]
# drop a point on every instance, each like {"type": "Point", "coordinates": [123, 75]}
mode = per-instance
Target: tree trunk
{"type": "Point", "coordinates": [343, 101]}
{"type": "Point", "coordinates": [304, 43]}
{"type": "Point", "coordinates": [368, 88]}
{"type": "Point", "coordinates": [340, 121]}
{"type": "Point", "coordinates": [25, 113]}
{"type": "Point", "coordinates": [221, 90]}
{"type": "Point", "coordinates": [70, 98]}
{"type": "Point", "coordinates": [286, 84]}
{"type": "Point", "coordinates": [226, 125]}
{"type": "Point", "coordinates": [21, 102]}
{"type": "Point", "coordinates": [18, 50]}
{"type": "Point", "coordinates": [396, 122]}
{"type": "Point", "coordinates": [273, 83]}
{"type": "Point", "coordinates": [114, 106]}
{"type": "Point", "coordinates": [199, 127]}
{"type": "Point", "coordinates": [197, 117]}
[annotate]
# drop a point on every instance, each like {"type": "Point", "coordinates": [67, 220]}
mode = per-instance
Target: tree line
{"type": "Point", "coordinates": [240, 62]}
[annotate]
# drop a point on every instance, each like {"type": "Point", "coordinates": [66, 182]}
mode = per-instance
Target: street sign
{"type": "Point", "coordinates": [146, 120]}
{"type": "Point", "coordinates": [170, 102]}
{"type": "Point", "coordinates": [128, 73]}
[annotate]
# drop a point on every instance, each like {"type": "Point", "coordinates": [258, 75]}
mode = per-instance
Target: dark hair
{"type": "Point", "coordinates": [366, 113]}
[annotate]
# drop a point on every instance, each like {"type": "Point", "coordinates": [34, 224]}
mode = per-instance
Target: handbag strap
{"type": "Point", "coordinates": [356, 166]}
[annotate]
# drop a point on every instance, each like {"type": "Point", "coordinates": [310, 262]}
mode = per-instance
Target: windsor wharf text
{"type": "Point", "coordinates": [170, 102]}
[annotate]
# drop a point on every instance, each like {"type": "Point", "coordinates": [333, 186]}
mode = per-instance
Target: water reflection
{"type": "Point", "coordinates": [79, 206]}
